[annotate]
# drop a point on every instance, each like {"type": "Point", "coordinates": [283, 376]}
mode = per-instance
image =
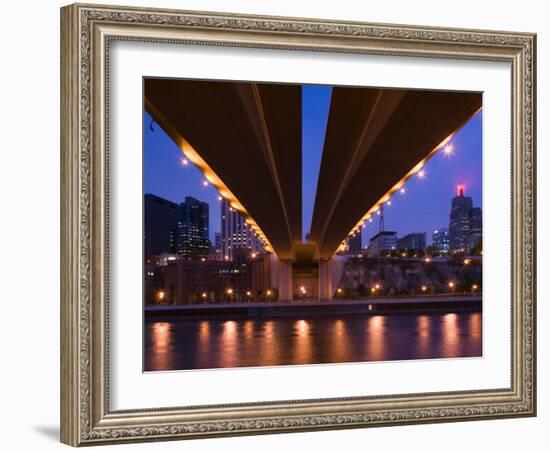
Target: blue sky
{"type": "Point", "coordinates": [424, 207]}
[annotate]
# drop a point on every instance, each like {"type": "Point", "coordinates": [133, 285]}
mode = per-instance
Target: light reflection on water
{"type": "Point", "coordinates": [176, 344]}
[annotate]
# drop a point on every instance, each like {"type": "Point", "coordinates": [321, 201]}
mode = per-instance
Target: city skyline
{"type": "Point", "coordinates": [424, 207]}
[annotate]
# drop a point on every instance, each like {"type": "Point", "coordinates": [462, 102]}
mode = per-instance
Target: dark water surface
{"type": "Point", "coordinates": [176, 343]}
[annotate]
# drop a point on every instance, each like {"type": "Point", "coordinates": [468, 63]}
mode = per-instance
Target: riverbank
{"type": "Point", "coordinates": [312, 308]}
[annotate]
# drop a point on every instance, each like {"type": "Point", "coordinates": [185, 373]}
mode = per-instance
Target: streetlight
{"type": "Point", "coordinates": [424, 288]}
{"type": "Point", "coordinates": [448, 150]}
{"type": "Point", "coordinates": [203, 295]}
{"type": "Point", "coordinates": [160, 295]}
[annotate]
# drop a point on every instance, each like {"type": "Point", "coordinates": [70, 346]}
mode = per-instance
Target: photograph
{"type": "Point", "coordinates": [280, 221]}
{"type": "Point", "coordinates": [292, 224]}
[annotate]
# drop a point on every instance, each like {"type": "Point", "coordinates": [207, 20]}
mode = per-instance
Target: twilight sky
{"type": "Point", "coordinates": [425, 206]}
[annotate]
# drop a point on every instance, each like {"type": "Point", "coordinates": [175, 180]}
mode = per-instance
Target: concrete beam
{"type": "Point", "coordinates": [247, 139]}
{"type": "Point", "coordinates": [374, 138]}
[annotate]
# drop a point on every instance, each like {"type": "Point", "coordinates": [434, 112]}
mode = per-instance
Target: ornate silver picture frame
{"type": "Point", "coordinates": [87, 32]}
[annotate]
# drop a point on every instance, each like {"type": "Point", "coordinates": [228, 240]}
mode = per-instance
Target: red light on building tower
{"type": "Point", "coordinates": [460, 190]}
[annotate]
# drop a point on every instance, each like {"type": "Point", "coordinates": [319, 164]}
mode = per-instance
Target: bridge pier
{"type": "Point", "coordinates": [281, 277]}
{"type": "Point", "coordinates": [325, 279]}
{"type": "Point", "coordinates": [330, 274]}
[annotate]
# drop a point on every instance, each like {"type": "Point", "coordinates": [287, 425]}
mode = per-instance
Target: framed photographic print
{"type": "Point", "coordinates": [276, 225]}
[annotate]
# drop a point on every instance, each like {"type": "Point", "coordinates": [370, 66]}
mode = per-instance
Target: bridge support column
{"type": "Point", "coordinates": [281, 277]}
{"type": "Point", "coordinates": [325, 280]}
{"type": "Point", "coordinates": [285, 280]}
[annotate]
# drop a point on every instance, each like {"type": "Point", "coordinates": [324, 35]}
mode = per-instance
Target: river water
{"type": "Point", "coordinates": [176, 343]}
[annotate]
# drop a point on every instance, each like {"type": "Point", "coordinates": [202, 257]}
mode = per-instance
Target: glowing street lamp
{"type": "Point", "coordinates": [448, 150]}
{"type": "Point", "coordinates": [203, 295]}
{"type": "Point", "coordinates": [467, 261]}
{"type": "Point", "coordinates": [451, 285]}
{"type": "Point", "coordinates": [268, 293]}
{"type": "Point", "coordinates": [424, 288]}
{"type": "Point", "coordinates": [474, 287]}
{"type": "Point", "coordinates": [229, 291]}
{"type": "Point", "coordinates": [339, 290]}
{"type": "Point", "coordinates": [427, 260]}
{"type": "Point", "coordinates": [248, 293]}
{"type": "Point", "coordinates": [160, 295]}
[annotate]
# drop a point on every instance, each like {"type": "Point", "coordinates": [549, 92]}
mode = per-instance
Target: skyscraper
{"type": "Point", "coordinates": [476, 222]}
{"type": "Point", "coordinates": [236, 234]}
{"type": "Point", "coordinates": [355, 243]}
{"type": "Point", "coordinates": [440, 239]}
{"type": "Point", "coordinates": [193, 242]}
{"type": "Point", "coordinates": [459, 226]}
{"type": "Point", "coordinates": [160, 222]}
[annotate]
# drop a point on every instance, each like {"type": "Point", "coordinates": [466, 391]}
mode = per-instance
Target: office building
{"type": "Point", "coordinates": [160, 222]}
{"type": "Point", "coordinates": [237, 238]}
{"type": "Point", "coordinates": [354, 244]}
{"type": "Point", "coordinates": [459, 226]}
{"type": "Point", "coordinates": [381, 242]}
{"type": "Point", "coordinates": [412, 241]}
{"type": "Point", "coordinates": [465, 226]}
{"type": "Point", "coordinates": [193, 242]}
{"type": "Point", "coordinates": [476, 222]}
{"type": "Point", "coordinates": [440, 240]}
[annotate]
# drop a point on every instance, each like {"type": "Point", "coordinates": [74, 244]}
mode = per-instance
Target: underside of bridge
{"type": "Point", "coordinates": [246, 138]}
{"type": "Point", "coordinates": [375, 139]}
